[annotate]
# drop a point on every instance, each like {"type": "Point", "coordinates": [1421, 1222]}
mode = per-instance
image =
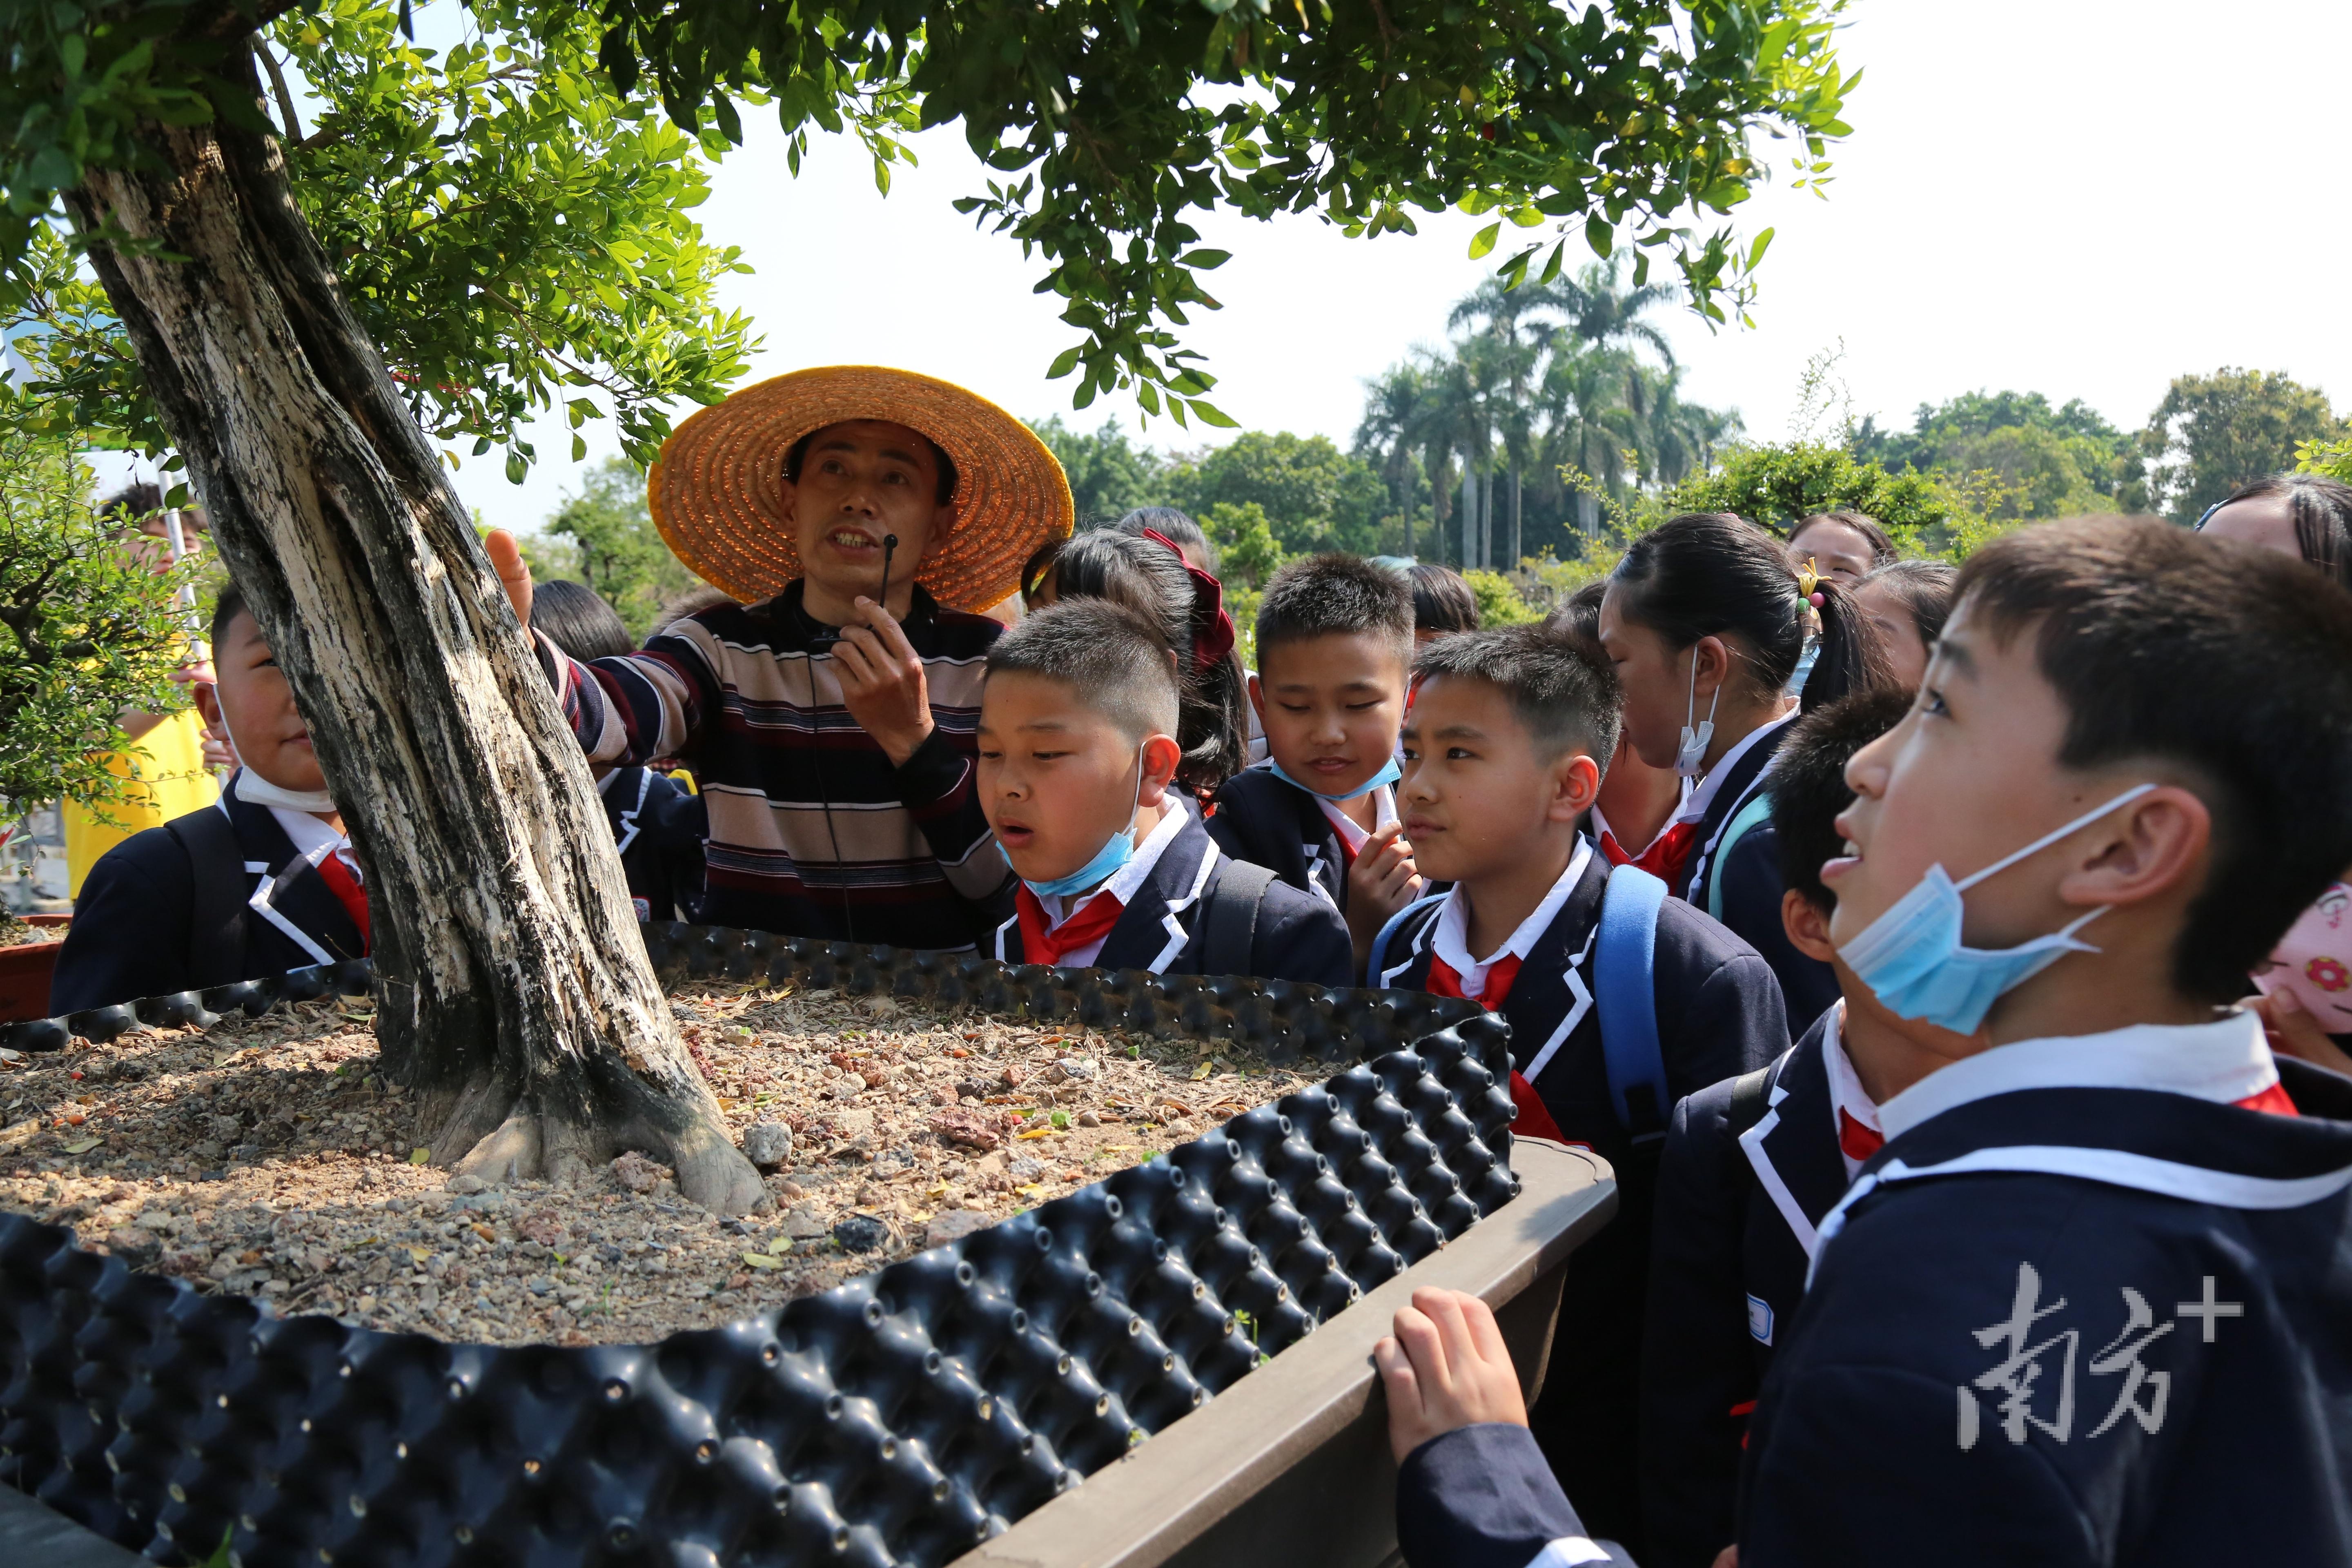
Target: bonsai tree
{"type": "Point", "coordinates": [516, 995]}
{"type": "Point", "coordinates": [87, 629]}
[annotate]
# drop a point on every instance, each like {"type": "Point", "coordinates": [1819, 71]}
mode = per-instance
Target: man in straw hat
{"type": "Point", "coordinates": [863, 517]}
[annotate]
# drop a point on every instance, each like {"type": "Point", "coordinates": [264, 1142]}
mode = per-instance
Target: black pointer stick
{"type": "Point", "coordinates": [889, 545]}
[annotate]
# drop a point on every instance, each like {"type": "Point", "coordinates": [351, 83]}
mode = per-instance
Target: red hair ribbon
{"type": "Point", "coordinates": [1213, 636]}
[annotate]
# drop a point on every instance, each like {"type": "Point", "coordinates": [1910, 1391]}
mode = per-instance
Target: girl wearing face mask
{"type": "Point", "coordinates": [2307, 986]}
{"type": "Point", "coordinates": [1704, 619]}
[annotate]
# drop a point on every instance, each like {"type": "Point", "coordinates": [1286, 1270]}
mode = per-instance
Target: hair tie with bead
{"type": "Point", "coordinates": [1810, 581]}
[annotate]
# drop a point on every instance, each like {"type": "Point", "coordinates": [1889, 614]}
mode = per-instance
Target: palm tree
{"type": "Point", "coordinates": [1599, 312]}
{"type": "Point", "coordinates": [1678, 438]}
{"type": "Point", "coordinates": [1397, 403]}
{"type": "Point", "coordinates": [1513, 345]}
{"type": "Point", "coordinates": [1589, 425]}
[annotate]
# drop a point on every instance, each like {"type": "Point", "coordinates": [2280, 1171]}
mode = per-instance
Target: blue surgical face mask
{"type": "Point", "coordinates": [1116, 852]}
{"type": "Point", "coordinates": [1387, 775]}
{"type": "Point", "coordinates": [1911, 956]}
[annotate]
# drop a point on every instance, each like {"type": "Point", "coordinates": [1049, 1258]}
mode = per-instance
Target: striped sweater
{"type": "Point", "coordinates": [812, 831]}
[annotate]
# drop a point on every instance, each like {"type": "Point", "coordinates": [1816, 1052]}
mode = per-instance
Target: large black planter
{"type": "Point", "coordinates": [899, 1418]}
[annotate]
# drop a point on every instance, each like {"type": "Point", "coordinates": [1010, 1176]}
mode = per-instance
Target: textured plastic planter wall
{"type": "Point", "coordinates": [900, 1418]}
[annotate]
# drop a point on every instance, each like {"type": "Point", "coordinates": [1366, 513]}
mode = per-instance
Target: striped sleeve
{"type": "Point", "coordinates": [635, 707]}
{"type": "Point", "coordinates": [939, 785]}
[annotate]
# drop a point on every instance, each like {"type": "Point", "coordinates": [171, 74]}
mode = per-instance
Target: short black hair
{"type": "Point", "coordinates": [1326, 596]}
{"type": "Point", "coordinates": [1111, 658]}
{"type": "Point", "coordinates": [1579, 613]}
{"type": "Point", "coordinates": [579, 620]}
{"type": "Point", "coordinates": [1926, 589]}
{"type": "Point", "coordinates": [1442, 599]}
{"type": "Point", "coordinates": [134, 504]}
{"type": "Point", "coordinates": [1809, 788]}
{"type": "Point", "coordinates": [798, 454]}
{"type": "Point", "coordinates": [227, 608]}
{"type": "Point", "coordinates": [1563, 688]}
{"type": "Point", "coordinates": [2228, 664]}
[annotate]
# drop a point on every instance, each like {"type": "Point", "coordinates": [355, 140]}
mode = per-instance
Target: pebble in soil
{"type": "Point", "coordinates": [269, 1157]}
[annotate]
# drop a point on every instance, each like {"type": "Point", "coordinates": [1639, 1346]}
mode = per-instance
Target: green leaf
{"type": "Point", "coordinates": [1210, 414]}
{"type": "Point", "coordinates": [1483, 242]}
{"type": "Point", "coordinates": [1207, 260]}
{"type": "Point", "coordinates": [1756, 251]}
{"type": "Point", "coordinates": [518, 469]}
{"type": "Point", "coordinates": [1600, 234]}
{"type": "Point", "coordinates": [1065, 361]}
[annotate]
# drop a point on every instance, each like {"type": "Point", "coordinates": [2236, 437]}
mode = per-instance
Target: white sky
{"type": "Point", "coordinates": [2079, 197]}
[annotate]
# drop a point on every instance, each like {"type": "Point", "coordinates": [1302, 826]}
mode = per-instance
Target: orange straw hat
{"type": "Point", "coordinates": [717, 494]}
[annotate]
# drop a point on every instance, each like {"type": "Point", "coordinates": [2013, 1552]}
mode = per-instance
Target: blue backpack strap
{"type": "Point", "coordinates": [1396, 922]}
{"type": "Point", "coordinates": [1624, 993]}
{"type": "Point", "coordinates": [1758, 811]}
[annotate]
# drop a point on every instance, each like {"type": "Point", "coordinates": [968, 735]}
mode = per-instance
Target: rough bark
{"type": "Point", "coordinates": [515, 995]}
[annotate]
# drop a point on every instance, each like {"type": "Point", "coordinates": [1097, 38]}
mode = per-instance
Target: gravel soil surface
{"type": "Point", "coordinates": [269, 1157]}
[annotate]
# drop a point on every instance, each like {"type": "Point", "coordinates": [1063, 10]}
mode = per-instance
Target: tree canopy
{"type": "Point", "coordinates": [2213, 433]}
{"type": "Point", "coordinates": [2052, 462]}
{"type": "Point", "coordinates": [514, 234]}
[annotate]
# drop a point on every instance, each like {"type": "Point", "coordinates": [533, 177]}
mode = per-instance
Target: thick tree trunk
{"type": "Point", "coordinates": [514, 995]}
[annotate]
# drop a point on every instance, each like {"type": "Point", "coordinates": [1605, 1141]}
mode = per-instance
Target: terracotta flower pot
{"type": "Point", "coordinates": [25, 971]}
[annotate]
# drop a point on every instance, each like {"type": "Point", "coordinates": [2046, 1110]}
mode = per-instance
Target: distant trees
{"type": "Point", "coordinates": [2049, 462]}
{"type": "Point", "coordinates": [2213, 433]}
{"type": "Point", "coordinates": [1554, 397]}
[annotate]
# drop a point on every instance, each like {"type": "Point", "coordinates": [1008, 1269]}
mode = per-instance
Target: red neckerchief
{"type": "Point", "coordinates": [1039, 945]}
{"type": "Point", "coordinates": [2274, 1100]}
{"type": "Point", "coordinates": [1664, 858]}
{"type": "Point", "coordinates": [1534, 1121]}
{"type": "Point", "coordinates": [1857, 1142]}
{"type": "Point", "coordinates": [344, 883]}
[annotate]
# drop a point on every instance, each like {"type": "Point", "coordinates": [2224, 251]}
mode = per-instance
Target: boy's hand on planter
{"type": "Point", "coordinates": [1445, 1367]}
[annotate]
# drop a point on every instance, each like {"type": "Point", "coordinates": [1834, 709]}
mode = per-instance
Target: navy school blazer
{"type": "Point", "coordinates": [1719, 1013]}
{"type": "Point", "coordinates": [1747, 881]}
{"type": "Point", "coordinates": [135, 929]}
{"type": "Point", "coordinates": [1299, 937]}
{"type": "Point", "coordinates": [1259, 818]}
{"type": "Point", "coordinates": [660, 831]}
{"type": "Point", "coordinates": [2176, 1391]}
{"type": "Point", "coordinates": [1731, 1239]}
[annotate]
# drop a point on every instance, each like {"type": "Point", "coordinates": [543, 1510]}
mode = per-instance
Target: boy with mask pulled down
{"type": "Point", "coordinates": [1077, 745]}
{"type": "Point", "coordinates": [2088, 1304]}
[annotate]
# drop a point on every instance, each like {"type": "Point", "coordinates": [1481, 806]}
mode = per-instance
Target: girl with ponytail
{"type": "Point", "coordinates": [1147, 574]}
{"type": "Point", "coordinates": [1706, 620]}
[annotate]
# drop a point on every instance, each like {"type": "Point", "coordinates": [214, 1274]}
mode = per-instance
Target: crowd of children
{"type": "Point", "coordinates": [1888, 927]}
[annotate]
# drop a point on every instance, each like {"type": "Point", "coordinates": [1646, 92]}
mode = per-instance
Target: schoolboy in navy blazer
{"type": "Point", "coordinates": [2089, 1303]}
{"type": "Point", "coordinates": [1500, 750]}
{"type": "Point", "coordinates": [154, 919]}
{"type": "Point", "coordinates": [1160, 927]}
{"type": "Point", "coordinates": [660, 831]}
{"type": "Point", "coordinates": [1334, 644]}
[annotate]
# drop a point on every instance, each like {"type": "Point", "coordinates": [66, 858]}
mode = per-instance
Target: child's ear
{"type": "Point", "coordinates": [1576, 784]}
{"type": "Point", "coordinates": [1257, 698]}
{"type": "Point", "coordinates": [207, 701]}
{"type": "Point", "coordinates": [2149, 850]}
{"type": "Point", "coordinates": [1162, 757]}
{"type": "Point", "coordinates": [1807, 925]}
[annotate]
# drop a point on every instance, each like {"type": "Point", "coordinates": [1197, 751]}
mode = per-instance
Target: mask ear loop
{"type": "Point", "coordinates": [2047, 839]}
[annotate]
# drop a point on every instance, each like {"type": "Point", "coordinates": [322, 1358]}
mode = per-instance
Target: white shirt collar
{"type": "Point", "coordinates": [2225, 1061]}
{"type": "Point", "coordinates": [1451, 940]}
{"type": "Point", "coordinates": [1846, 1093]}
{"type": "Point", "coordinates": [1701, 794]}
{"type": "Point", "coordinates": [312, 839]}
{"type": "Point", "coordinates": [1383, 812]}
{"type": "Point", "coordinates": [1127, 878]}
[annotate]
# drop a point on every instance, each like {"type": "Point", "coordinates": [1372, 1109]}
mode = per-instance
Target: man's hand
{"type": "Point", "coordinates": [2294, 1032]}
{"type": "Point", "coordinates": [1382, 881]}
{"type": "Point", "coordinates": [882, 681]}
{"type": "Point", "coordinates": [1445, 1368]}
{"type": "Point", "coordinates": [506, 559]}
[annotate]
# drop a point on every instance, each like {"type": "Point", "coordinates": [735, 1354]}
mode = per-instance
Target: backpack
{"type": "Point", "coordinates": [1229, 911]}
{"type": "Point", "coordinates": [1624, 995]}
{"type": "Point", "coordinates": [216, 921]}
{"type": "Point", "coordinates": [1757, 812]}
